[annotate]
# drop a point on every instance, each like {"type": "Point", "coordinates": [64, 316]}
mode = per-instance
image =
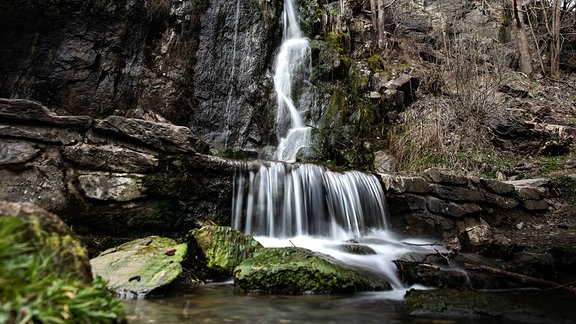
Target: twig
{"type": "Point", "coordinates": [423, 244]}
{"type": "Point", "coordinates": [291, 243]}
{"type": "Point", "coordinates": [444, 256]}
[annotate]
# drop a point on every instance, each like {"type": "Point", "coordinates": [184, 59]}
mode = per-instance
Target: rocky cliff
{"type": "Point", "coordinates": [201, 64]}
{"type": "Point", "coordinates": [113, 177]}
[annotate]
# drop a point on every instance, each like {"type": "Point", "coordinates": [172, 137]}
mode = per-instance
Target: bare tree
{"type": "Point", "coordinates": [556, 46]}
{"type": "Point", "coordinates": [521, 38]}
{"type": "Point", "coordinates": [378, 8]}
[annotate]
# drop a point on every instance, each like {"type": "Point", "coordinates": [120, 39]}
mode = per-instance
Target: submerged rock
{"type": "Point", "coordinates": [296, 271]}
{"type": "Point", "coordinates": [220, 249]}
{"type": "Point", "coordinates": [54, 236]}
{"type": "Point", "coordinates": [137, 268]}
{"type": "Point", "coordinates": [524, 306]}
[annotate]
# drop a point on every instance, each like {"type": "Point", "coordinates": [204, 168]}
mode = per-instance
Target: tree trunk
{"type": "Point", "coordinates": [374, 17]}
{"type": "Point", "coordinates": [381, 24]}
{"type": "Point", "coordinates": [521, 38]}
{"type": "Point", "coordinates": [556, 46]}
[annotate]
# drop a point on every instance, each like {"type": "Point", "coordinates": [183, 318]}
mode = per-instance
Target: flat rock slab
{"type": "Point", "coordinates": [136, 268]}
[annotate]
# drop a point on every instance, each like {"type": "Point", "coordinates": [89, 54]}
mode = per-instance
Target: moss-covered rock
{"type": "Point", "coordinates": [53, 235]}
{"type": "Point", "coordinates": [220, 249]}
{"type": "Point", "coordinates": [296, 271]}
{"type": "Point", "coordinates": [136, 268]}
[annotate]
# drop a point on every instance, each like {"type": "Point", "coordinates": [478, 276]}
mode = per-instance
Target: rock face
{"type": "Point", "coordinates": [110, 177]}
{"type": "Point", "coordinates": [440, 203]}
{"type": "Point", "coordinates": [296, 271]}
{"type": "Point", "coordinates": [222, 248]}
{"type": "Point", "coordinates": [194, 62]}
{"type": "Point", "coordinates": [137, 268]}
{"type": "Point", "coordinates": [67, 253]}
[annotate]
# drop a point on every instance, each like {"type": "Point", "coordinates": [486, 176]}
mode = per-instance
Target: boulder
{"type": "Point", "coordinates": [481, 239]}
{"type": "Point", "coordinates": [140, 267]}
{"type": "Point", "coordinates": [296, 271]}
{"type": "Point", "coordinates": [219, 249]}
{"type": "Point", "coordinates": [68, 256]}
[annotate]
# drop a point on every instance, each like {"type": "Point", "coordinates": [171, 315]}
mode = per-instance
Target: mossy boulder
{"type": "Point", "coordinates": [137, 268]}
{"type": "Point", "coordinates": [296, 271]}
{"type": "Point", "coordinates": [218, 249]}
{"type": "Point", "coordinates": [53, 235]}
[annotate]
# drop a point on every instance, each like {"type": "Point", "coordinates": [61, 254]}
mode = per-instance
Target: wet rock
{"type": "Point", "coordinates": [164, 137]}
{"type": "Point", "coordinates": [358, 249]}
{"type": "Point", "coordinates": [110, 158]}
{"type": "Point", "coordinates": [481, 239]}
{"type": "Point", "coordinates": [220, 249]}
{"type": "Point", "coordinates": [538, 265]}
{"type": "Point", "coordinates": [296, 271]}
{"type": "Point", "coordinates": [13, 152]}
{"type": "Point", "coordinates": [452, 209]}
{"type": "Point", "coordinates": [138, 268]}
{"type": "Point", "coordinates": [467, 304]}
{"type": "Point", "coordinates": [68, 255]}
{"type": "Point", "coordinates": [45, 134]}
{"type": "Point", "coordinates": [27, 111]}
{"type": "Point", "coordinates": [431, 275]}
{"type": "Point", "coordinates": [112, 186]}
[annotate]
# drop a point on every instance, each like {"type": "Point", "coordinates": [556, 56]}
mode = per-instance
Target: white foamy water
{"type": "Point", "coordinates": [293, 65]}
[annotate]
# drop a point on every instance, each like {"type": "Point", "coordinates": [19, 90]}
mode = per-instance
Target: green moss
{"type": "Point", "coordinates": [223, 248]}
{"type": "Point", "coordinates": [294, 271]}
{"type": "Point", "coordinates": [32, 290]}
{"type": "Point", "coordinates": [376, 64]}
{"type": "Point", "coordinates": [154, 261]}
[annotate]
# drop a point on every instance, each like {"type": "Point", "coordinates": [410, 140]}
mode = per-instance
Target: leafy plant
{"type": "Point", "coordinates": [32, 291]}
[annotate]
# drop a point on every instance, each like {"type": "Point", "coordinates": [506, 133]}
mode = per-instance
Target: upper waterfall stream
{"type": "Point", "coordinates": [293, 65]}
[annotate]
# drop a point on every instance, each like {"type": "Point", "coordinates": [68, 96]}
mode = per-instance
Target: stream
{"type": "Point", "coordinates": [219, 303]}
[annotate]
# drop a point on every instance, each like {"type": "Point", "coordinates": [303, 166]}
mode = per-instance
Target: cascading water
{"type": "Point", "coordinates": [292, 67]}
{"type": "Point", "coordinates": [285, 204]}
{"type": "Point", "coordinates": [286, 200]}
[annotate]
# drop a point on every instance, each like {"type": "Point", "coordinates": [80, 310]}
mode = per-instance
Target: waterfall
{"type": "Point", "coordinates": [306, 205]}
{"type": "Point", "coordinates": [286, 200]}
{"type": "Point", "coordinates": [293, 66]}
